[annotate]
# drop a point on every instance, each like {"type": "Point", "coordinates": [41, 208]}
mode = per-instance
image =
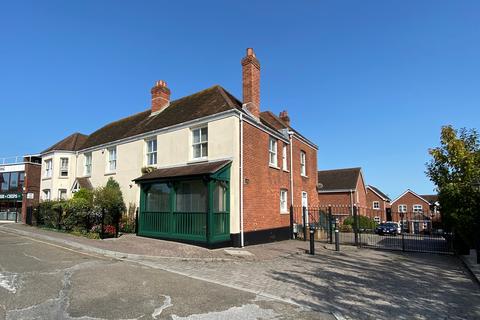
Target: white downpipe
{"type": "Point", "coordinates": [290, 134]}
{"type": "Point", "coordinates": [242, 244]}
{"type": "Point", "coordinates": [351, 202]}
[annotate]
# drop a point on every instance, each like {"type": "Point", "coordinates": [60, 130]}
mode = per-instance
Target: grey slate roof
{"type": "Point", "coordinates": [383, 195]}
{"type": "Point", "coordinates": [71, 143]}
{"type": "Point", "coordinates": [338, 179]}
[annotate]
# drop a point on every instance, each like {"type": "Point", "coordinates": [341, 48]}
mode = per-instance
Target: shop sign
{"type": "Point", "coordinates": [10, 196]}
{"type": "Point", "coordinates": [30, 195]}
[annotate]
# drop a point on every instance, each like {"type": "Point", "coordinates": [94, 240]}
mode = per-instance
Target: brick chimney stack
{"type": "Point", "coordinates": [251, 82]}
{"type": "Point", "coordinates": [284, 117]}
{"type": "Point", "coordinates": [160, 96]}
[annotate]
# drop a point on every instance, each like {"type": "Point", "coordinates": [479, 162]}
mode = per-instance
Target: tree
{"type": "Point", "coordinates": [110, 200]}
{"type": "Point", "coordinates": [455, 170]}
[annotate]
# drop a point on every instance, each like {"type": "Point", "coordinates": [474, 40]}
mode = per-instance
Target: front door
{"type": "Point", "coordinates": [305, 204]}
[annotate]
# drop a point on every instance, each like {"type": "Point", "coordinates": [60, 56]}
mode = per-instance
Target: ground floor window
{"type": "Point", "coordinates": [191, 196]}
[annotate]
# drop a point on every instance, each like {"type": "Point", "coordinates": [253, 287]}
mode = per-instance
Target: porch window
{"type": "Point", "coordinates": [220, 197]}
{"type": "Point", "coordinates": [191, 196]}
{"type": "Point", "coordinates": [200, 143]}
{"type": "Point", "coordinates": [63, 167]}
{"type": "Point", "coordinates": [158, 198]}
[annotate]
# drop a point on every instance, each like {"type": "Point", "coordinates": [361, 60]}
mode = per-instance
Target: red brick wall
{"type": "Point", "coordinates": [262, 183]}
{"type": "Point", "coordinates": [372, 196]}
{"type": "Point", "coordinates": [408, 199]}
{"type": "Point", "coordinates": [361, 193]}
{"type": "Point", "coordinates": [335, 199]}
{"type": "Point", "coordinates": [32, 184]}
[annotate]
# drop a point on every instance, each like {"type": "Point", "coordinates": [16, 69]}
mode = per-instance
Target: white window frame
{"type": "Point", "coordinates": [112, 161]}
{"type": "Point", "coordinates": [151, 156]}
{"type": "Point", "coordinates": [63, 169]}
{"type": "Point", "coordinates": [272, 152]}
{"type": "Point", "coordinates": [60, 191]}
{"type": "Point", "coordinates": [47, 194]}
{"type": "Point", "coordinates": [284, 201]}
{"type": "Point", "coordinates": [415, 208]}
{"type": "Point", "coordinates": [303, 163]}
{"type": "Point", "coordinates": [87, 166]}
{"type": "Point", "coordinates": [377, 203]}
{"type": "Point", "coordinates": [377, 219]}
{"type": "Point", "coordinates": [199, 143]}
{"type": "Point", "coordinates": [284, 158]}
{"type": "Point", "coordinates": [402, 208]}
{"type": "Point", "coordinates": [48, 168]}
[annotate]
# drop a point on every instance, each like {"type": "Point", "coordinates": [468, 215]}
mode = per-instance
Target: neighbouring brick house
{"type": "Point", "coordinates": [19, 187]}
{"type": "Point", "coordinates": [416, 212]}
{"type": "Point", "coordinates": [342, 188]}
{"type": "Point", "coordinates": [206, 168]}
{"type": "Point", "coordinates": [378, 203]}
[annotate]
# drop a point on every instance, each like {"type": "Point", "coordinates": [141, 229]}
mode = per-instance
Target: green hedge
{"type": "Point", "coordinates": [363, 222]}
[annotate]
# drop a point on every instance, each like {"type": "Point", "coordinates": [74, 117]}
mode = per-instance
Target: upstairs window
{"type": "Point", "coordinates": [376, 205]}
{"type": "Point", "coordinates": [48, 168]}
{"type": "Point", "coordinates": [88, 164]}
{"type": "Point", "coordinates": [63, 167]}
{"type": "Point", "coordinates": [402, 208]}
{"type": "Point", "coordinates": [112, 159]}
{"type": "Point", "coordinates": [200, 143]}
{"type": "Point", "coordinates": [272, 151]}
{"type": "Point", "coordinates": [284, 157]}
{"type": "Point", "coordinates": [151, 152]}
{"type": "Point", "coordinates": [417, 208]}
{"type": "Point", "coordinates": [303, 164]}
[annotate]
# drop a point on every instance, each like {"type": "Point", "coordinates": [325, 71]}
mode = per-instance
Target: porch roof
{"type": "Point", "coordinates": [186, 170]}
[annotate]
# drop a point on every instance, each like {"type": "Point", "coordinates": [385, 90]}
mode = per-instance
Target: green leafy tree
{"type": "Point", "coordinates": [110, 200]}
{"type": "Point", "coordinates": [78, 209]}
{"type": "Point", "coordinates": [455, 170]}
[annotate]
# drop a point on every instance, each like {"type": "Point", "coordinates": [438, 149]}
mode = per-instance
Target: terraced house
{"type": "Point", "coordinates": [206, 168]}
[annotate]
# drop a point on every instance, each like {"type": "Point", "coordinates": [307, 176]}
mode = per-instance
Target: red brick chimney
{"type": "Point", "coordinates": [284, 117]}
{"type": "Point", "coordinates": [160, 96]}
{"type": "Point", "coordinates": [251, 82]}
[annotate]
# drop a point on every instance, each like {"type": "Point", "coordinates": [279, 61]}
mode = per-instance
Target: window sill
{"type": "Point", "coordinates": [110, 173]}
{"type": "Point", "coordinates": [285, 170]}
{"type": "Point", "coordinates": [61, 177]}
{"type": "Point", "coordinates": [304, 176]}
{"type": "Point", "coordinates": [198, 160]}
{"type": "Point", "coordinates": [46, 178]}
{"type": "Point", "coordinates": [284, 213]}
{"type": "Point", "coordinates": [273, 166]}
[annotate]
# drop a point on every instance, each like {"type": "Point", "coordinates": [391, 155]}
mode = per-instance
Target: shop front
{"type": "Point", "coordinates": [188, 203]}
{"type": "Point", "coordinates": [10, 207]}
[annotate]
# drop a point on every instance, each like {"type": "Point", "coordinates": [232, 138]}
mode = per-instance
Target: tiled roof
{"type": "Point", "coordinates": [71, 143]}
{"type": "Point", "coordinates": [186, 170]}
{"type": "Point", "coordinates": [432, 198]}
{"type": "Point", "coordinates": [84, 183]}
{"type": "Point", "coordinates": [383, 195]}
{"type": "Point", "coordinates": [204, 103]}
{"type": "Point", "coordinates": [338, 179]}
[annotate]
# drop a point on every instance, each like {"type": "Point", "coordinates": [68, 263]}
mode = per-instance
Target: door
{"type": "Point", "coordinates": [305, 204]}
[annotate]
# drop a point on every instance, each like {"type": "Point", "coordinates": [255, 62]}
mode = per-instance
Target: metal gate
{"type": "Point", "coordinates": [367, 228]}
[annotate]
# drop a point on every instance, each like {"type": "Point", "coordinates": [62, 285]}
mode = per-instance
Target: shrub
{"type": "Point", "coordinates": [49, 212]}
{"type": "Point", "coordinates": [363, 222]}
{"type": "Point", "coordinates": [346, 228]}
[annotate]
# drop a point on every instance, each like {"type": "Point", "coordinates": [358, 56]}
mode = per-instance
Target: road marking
{"type": "Point", "coordinates": [166, 304]}
{"type": "Point", "coordinates": [56, 245]}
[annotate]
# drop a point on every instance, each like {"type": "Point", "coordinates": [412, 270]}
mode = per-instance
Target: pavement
{"type": "Point", "coordinates": [350, 284]}
{"type": "Point", "coordinates": [470, 262]}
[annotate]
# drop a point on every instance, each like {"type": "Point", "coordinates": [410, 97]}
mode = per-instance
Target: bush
{"type": "Point", "coordinates": [363, 222]}
{"type": "Point", "coordinates": [346, 228]}
{"type": "Point", "coordinates": [49, 212]}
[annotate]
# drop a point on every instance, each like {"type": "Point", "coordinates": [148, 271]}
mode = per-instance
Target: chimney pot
{"type": "Point", "coordinates": [160, 96]}
{"type": "Point", "coordinates": [251, 82]}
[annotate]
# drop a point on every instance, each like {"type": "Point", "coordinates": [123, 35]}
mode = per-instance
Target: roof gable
{"type": "Point", "coordinates": [378, 192]}
{"type": "Point", "coordinates": [338, 179]}
{"type": "Point", "coordinates": [411, 192]}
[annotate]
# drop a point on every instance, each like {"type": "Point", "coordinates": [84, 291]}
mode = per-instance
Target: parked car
{"type": "Point", "coordinates": [399, 227]}
{"type": "Point", "coordinates": [388, 228]}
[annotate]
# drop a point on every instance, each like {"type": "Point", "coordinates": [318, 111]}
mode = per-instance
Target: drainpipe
{"type": "Point", "coordinates": [241, 181]}
{"type": "Point", "coordinates": [290, 134]}
{"type": "Point", "coordinates": [351, 202]}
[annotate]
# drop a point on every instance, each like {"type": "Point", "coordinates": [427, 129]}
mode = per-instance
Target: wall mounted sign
{"type": "Point", "coordinates": [30, 195]}
{"type": "Point", "coordinates": [11, 196]}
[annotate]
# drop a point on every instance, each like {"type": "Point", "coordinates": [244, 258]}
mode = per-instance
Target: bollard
{"type": "Point", "coordinates": [337, 240]}
{"type": "Point", "coordinates": [304, 218]}
{"type": "Point", "coordinates": [312, 240]}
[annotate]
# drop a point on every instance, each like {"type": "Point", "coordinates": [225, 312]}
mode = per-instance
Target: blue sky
{"type": "Point", "coordinates": [370, 82]}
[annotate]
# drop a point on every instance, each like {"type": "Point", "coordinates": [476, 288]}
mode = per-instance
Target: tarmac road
{"type": "Point", "coordinates": [42, 280]}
